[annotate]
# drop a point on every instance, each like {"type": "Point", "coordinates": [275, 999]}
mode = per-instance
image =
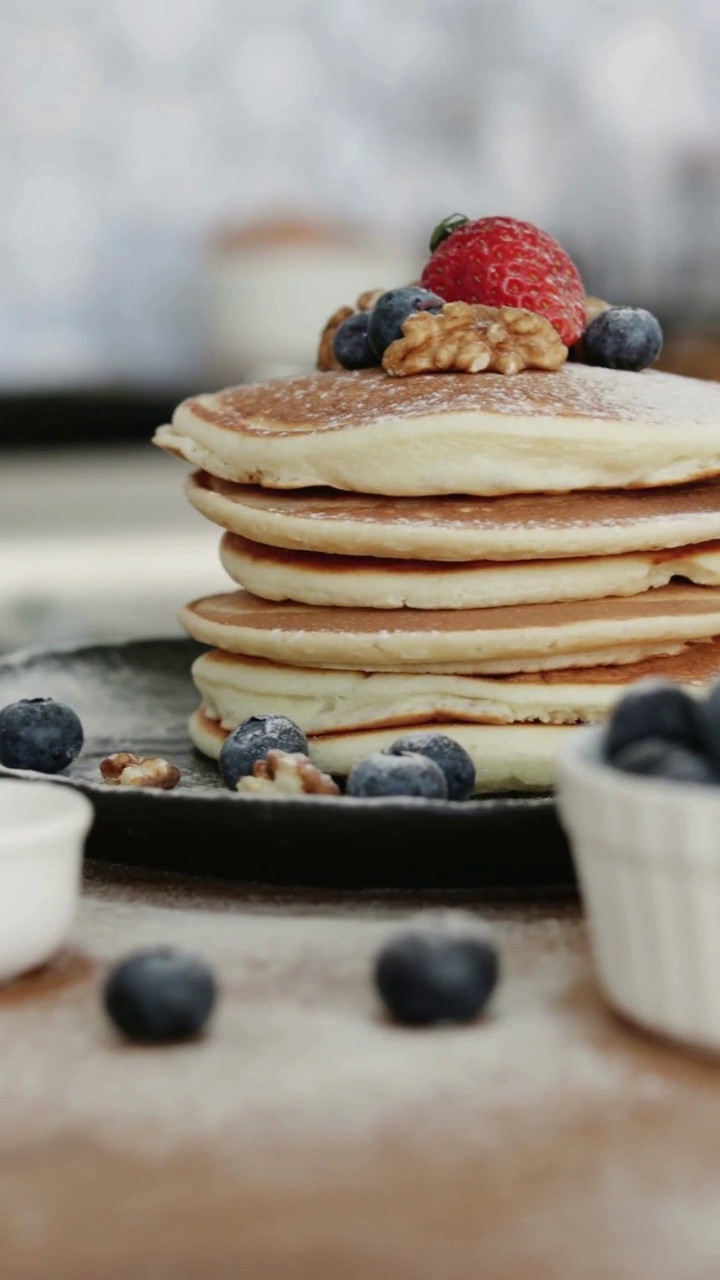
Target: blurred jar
{"type": "Point", "coordinates": [274, 283]}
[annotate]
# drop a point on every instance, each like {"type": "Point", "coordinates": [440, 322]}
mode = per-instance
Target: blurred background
{"type": "Point", "coordinates": [189, 187]}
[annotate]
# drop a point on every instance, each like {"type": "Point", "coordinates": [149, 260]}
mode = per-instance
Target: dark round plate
{"type": "Point", "coordinates": [138, 697]}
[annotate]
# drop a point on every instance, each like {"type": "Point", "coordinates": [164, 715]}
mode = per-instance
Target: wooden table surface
{"type": "Point", "coordinates": [307, 1137]}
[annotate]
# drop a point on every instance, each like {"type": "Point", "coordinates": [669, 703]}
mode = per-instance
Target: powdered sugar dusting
{"type": "Point", "coordinates": [342, 400]}
{"type": "Point", "coordinates": [298, 1050]}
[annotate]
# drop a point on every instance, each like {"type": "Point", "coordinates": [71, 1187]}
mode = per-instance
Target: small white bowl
{"type": "Point", "coordinates": [42, 834]}
{"type": "Point", "coordinates": [647, 854]}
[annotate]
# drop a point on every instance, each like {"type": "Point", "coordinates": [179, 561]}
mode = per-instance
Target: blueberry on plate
{"type": "Point", "coordinates": [394, 307]}
{"type": "Point", "coordinates": [658, 758]}
{"type": "Point", "coordinates": [407, 775]}
{"type": "Point", "coordinates": [453, 759]}
{"type": "Point", "coordinates": [40, 734]}
{"type": "Point", "coordinates": [160, 996]}
{"type": "Point", "coordinates": [351, 345]}
{"type": "Point", "coordinates": [623, 338]}
{"type": "Point", "coordinates": [426, 978]}
{"type": "Point", "coordinates": [654, 709]}
{"type": "Point", "coordinates": [251, 742]}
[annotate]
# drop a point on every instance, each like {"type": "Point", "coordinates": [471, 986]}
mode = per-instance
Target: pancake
{"type": "Point", "coordinates": [515, 527]}
{"type": "Point", "coordinates": [506, 757]}
{"type": "Point", "coordinates": [578, 428]}
{"type": "Point", "coordinates": [360, 582]}
{"type": "Point", "coordinates": [462, 640]}
{"type": "Point", "coordinates": [233, 688]}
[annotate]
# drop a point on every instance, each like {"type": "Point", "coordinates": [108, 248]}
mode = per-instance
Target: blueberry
{"type": "Point", "coordinates": [658, 758]}
{"type": "Point", "coordinates": [40, 734]}
{"type": "Point", "coordinates": [453, 759]}
{"type": "Point", "coordinates": [392, 308]}
{"type": "Point", "coordinates": [623, 338]}
{"type": "Point", "coordinates": [252, 740]}
{"type": "Point", "coordinates": [709, 724]}
{"type": "Point", "coordinates": [407, 775]}
{"type": "Point", "coordinates": [160, 995]}
{"type": "Point", "coordinates": [654, 709]}
{"type": "Point", "coordinates": [351, 345]}
{"type": "Point", "coordinates": [425, 978]}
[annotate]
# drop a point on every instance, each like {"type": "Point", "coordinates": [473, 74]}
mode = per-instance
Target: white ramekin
{"type": "Point", "coordinates": [42, 834]}
{"type": "Point", "coordinates": [647, 854]}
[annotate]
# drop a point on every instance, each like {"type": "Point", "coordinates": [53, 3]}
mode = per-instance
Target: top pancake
{"type": "Point", "coordinates": [483, 434]}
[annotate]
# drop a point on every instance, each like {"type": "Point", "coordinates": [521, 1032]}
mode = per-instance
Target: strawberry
{"type": "Point", "coordinates": [505, 263]}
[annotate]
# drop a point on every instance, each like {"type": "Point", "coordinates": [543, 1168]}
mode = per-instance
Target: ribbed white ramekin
{"type": "Point", "coordinates": [647, 854]}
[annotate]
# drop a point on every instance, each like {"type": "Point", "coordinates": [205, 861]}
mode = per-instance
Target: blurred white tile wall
{"type": "Point", "coordinates": [131, 126]}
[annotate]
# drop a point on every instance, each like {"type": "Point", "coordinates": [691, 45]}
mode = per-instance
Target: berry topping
{"type": "Point", "coordinates": [654, 709]}
{"type": "Point", "coordinates": [447, 754]}
{"type": "Point", "coordinates": [251, 742]}
{"type": "Point", "coordinates": [623, 338]}
{"type": "Point", "coordinates": [406, 775]}
{"type": "Point", "coordinates": [446, 228]}
{"type": "Point", "coordinates": [505, 263]}
{"type": "Point", "coordinates": [426, 978]}
{"type": "Point", "coordinates": [392, 308]}
{"type": "Point", "coordinates": [658, 758]}
{"type": "Point", "coordinates": [350, 344]}
{"type": "Point", "coordinates": [160, 995]}
{"type": "Point", "coordinates": [40, 734]}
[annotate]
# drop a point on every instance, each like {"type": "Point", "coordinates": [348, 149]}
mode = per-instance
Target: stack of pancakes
{"type": "Point", "coordinates": [498, 555]}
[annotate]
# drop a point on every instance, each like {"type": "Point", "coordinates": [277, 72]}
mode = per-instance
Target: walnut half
{"type": "Point", "coordinates": [326, 358]}
{"type": "Point", "coordinates": [127, 770]}
{"type": "Point", "coordinates": [289, 774]}
{"type": "Point", "coordinates": [470, 338]}
{"type": "Point", "coordinates": [594, 307]}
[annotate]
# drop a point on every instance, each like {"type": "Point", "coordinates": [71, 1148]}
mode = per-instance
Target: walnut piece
{"type": "Point", "coordinates": [367, 300]}
{"type": "Point", "coordinates": [289, 774]}
{"type": "Point", "coordinates": [127, 770]}
{"type": "Point", "coordinates": [467, 338]}
{"type": "Point", "coordinates": [594, 307]}
{"type": "Point", "coordinates": [326, 358]}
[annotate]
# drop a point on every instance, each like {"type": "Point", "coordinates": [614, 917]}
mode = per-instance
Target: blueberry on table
{"type": "Point", "coordinates": [709, 722]}
{"type": "Point", "coordinates": [428, 978]}
{"type": "Point", "coordinates": [40, 734]}
{"type": "Point", "coordinates": [446, 753]}
{"type": "Point", "coordinates": [351, 345]}
{"type": "Point", "coordinates": [658, 758]}
{"type": "Point", "coordinates": [654, 709]}
{"type": "Point", "coordinates": [251, 742]}
{"type": "Point", "coordinates": [623, 338]}
{"type": "Point", "coordinates": [406, 775]}
{"type": "Point", "coordinates": [392, 309]}
{"type": "Point", "coordinates": [160, 996]}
